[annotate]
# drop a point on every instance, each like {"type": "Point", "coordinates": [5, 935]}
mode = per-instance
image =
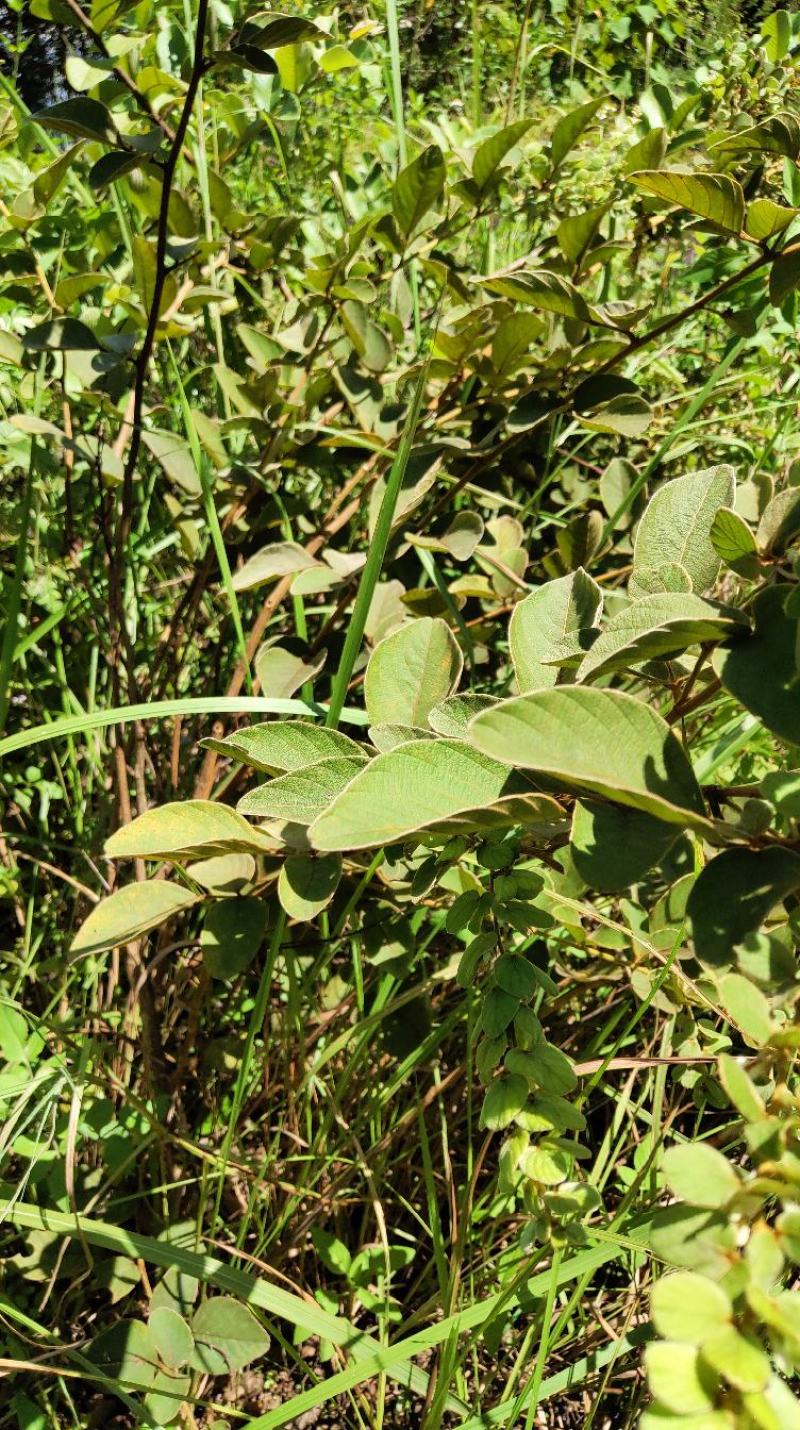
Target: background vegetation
{"type": "Point", "coordinates": [361, 370]}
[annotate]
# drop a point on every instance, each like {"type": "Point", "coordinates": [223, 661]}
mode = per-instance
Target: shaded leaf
{"type": "Point", "coordinates": [307, 885]}
{"type": "Point", "coordinates": [232, 935]}
{"type": "Point", "coordinates": [760, 670]}
{"type": "Point", "coordinates": [83, 117]}
{"type": "Point", "coordinates": [613, 847]}
{"type": "Point", "coordinates": [60, 335]}
{"type": "Point", "coordinates": [490, 154]}
{"type": "Point", "coordinates": [570, 128]}
{"type": "Point", "coordinates": [761, 878]}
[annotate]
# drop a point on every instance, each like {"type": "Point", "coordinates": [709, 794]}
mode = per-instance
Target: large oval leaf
{"type": "Point", "coordinates": [280, 745]}
{"type": "Point", "coordinates": [760, 879]}
{"type": "Point", "coordinates": [192, 829]}
{"type": "Point", "coordinates": [130, 912]}
{"type": "Point", "coordinates": [302, 794]}
{"type": "Point", "coordinates": [675, 530]}
{"type": "Point", "coordinates": [716, 197]}
{"type": "Point", "coordinates": [410, 671]}
{"type": "Point", "coordinates": [596, 740]}
{"type": "Point", "coordinates": [761, 669]}
{"type": "Point", "coordinates": [614, 847]}
{"type": "Point", "coordinates": [554, 624]}
{"type": "Point", "coordinates": [405, 791]}
{"type": "Point", "coordinates": [655, 627]}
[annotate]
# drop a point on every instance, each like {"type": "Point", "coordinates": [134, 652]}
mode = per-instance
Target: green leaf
{"type": "Point", "coordinates": [656, 627]}
{"type": "Point", "coordinates": [697, 1173]}
{"type": "Point", "coordinates": [165, 1399]}
{"type": "Point", "coordinates": [779, 134]}
{"type": "Point", "coordinates": [678, 1378]}
{"type": "Point", "coordinates": [194, 828]}
{"type": "Point", "coordinates": [126, 1352]}
{"type": "Point", "coordinates": [761, 878]}
{"type": "Point", "coordinates": [647, 153]}
{"type": "Point", "coordinates": [418, 188]}
{"type": "Point", "coordinates": [338, 58]}
{"type": "Point", "coordinates": [277, 746]}
{"type": "Point", "coordinates": [388, 737]}
{"type": "Point", "coordinates": [511, 343]}
{"type": "Point", "coordinates": [780, 521]}
{"type": "Point", "coordinates": [547, 1162]}
{"type": "Point", "coordinates": [60, 335]}
{"type": "Point", "coordinates": [275, 30]}
{"type": "Point", "coordinates": [716, 197]}
{"type": "Point", "coordinates": [784, 276]}
{"type": "Point", "coordinates": [280, 558]}
{"type": "Point", "coordinates": [505, 1097]}
{"type": "Point", "coordinates": [283, 667]}
{"type": "Point", "coordinates": [734, 542]}
{"type": "Point", "coordinates": [112, 166]}
{"type": "Point", "coordinates": [760, 670]}
{"type": "Point", "coordinates": [544, 1066]}
{"type": "Point", "coordinates": [765, 219]}
{"type": "Point", "coordinates": [490, 154]}
{"type": "Point", "coordinates": [688, 1307]}
{"type": "Point", "coordinates": [232, 935]}
{"type": "Point", "coordinates": [227, 1336]}
{"type": "Point", "coordinates": [570, 128]}
{"type": "Point", "coordinates": [49, 180]}
{"type": "Point", "coordinates": [516, 975]}
{"type": "Point", "coordinates": [307, 885]}
{"type": "Point", "coordinates": [407, 789]}
{"type": "Point", "coordinates": [459, 540]}
{"type": "Point", "coordinates": [738, 1359]}
{"type": "Point", "coordinates": [331, 1251]}
{"type": "Point", "coordinates": [547, 291]}
{"type": "Point", "coordinates": [601, 741]}
{"type": "Point", "coordinates": [130, 912]}
{"type": "Point", "coordinates": [575, 233]}
{"type": "Point", "coordinates": [747, 1008]}
{"type": "Point", "coordinates": [776, 32]}
{"type": "Point", "coordinates": [497, 1011]}
{"type": "Point", "coordinates": [556, 623]}
{"type": "Point", "coordinates": [171, 1336]}
{"type": "Point", "coordinates": [82, 117]}
{"type": "Point", "coordinates": [451, 716]}
{"type": "Point", "coordinates": [298, 797]}
{"type": "Point", "coordinates": [613, 847]}
{"type": "Point", "coordinates": [676, 529]}
{"type": "Point", "coordinates": [410, 671]}
{"type": "Point", "coordinates": [370, 342]}
{"type": "Point", "coordinates": [740, 1088]}
{"type": "Point", "coordinates": [174, 455]}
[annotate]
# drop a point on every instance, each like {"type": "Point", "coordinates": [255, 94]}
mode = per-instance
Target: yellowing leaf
{"type": "Point", "coordinates": [130, 912]}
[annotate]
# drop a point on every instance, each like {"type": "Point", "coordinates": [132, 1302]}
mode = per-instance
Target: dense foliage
{"type": "Point", "coordinates": [400, 707]}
